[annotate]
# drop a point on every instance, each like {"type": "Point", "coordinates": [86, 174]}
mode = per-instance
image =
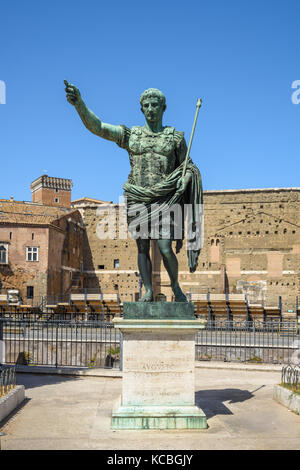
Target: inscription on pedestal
{"type": "Point", "coordinates": [158, 369]}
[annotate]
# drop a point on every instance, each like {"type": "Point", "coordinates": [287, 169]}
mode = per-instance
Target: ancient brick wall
{"type": "Point", "coordinates": [252, 235]}
{"type": "Point", "coordinates": [65, 253]}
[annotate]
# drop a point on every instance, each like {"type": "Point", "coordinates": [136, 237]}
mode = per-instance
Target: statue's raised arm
{"type": "Point", "coordinates": [89, 119]}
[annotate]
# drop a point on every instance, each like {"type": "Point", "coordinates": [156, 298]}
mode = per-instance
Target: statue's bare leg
{"type": "Point", "coordinates": [145, 268]}
{"type": "Point", "coordinates": [171, 265]}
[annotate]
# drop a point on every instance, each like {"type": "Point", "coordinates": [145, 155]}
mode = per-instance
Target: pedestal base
{"type": "Point", "coordinates": [158, 417]}
{"type": "Point", "coordinates": [158, 387]}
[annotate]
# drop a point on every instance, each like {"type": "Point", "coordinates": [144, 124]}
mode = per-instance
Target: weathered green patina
{"type": "Point", "coordinates": [159, 175]}
{"type": "Point", "coordinates": [158, 310]}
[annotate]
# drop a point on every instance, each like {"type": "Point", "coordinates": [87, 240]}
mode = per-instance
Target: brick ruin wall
{"type": "Point", "coordinates": [250, 235]}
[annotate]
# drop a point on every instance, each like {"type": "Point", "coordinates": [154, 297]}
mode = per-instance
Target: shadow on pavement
{"type": "Point", "coordinates": [212, 401]}
{"type": "Point", "coordinates": [40, 380]}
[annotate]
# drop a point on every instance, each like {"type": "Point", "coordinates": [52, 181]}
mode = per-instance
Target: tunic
{"type": "Point", "coordinates": [152, 156]}
{"type": "Point", "coordinates": [157, 161]}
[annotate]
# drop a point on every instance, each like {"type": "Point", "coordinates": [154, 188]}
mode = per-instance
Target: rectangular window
{"type": "Point", "coordinates": [56, 199]}
{"type": "Point", "coordinates": [3, 253]}
{"type": "Point", "coordinates": [100, 266]}
{"type": "Point", "coordinates": [32, 253]}
{"type": "Point", "coordinates": [30, 292]}
{"type": "Point", "coordinates": [116, 263]}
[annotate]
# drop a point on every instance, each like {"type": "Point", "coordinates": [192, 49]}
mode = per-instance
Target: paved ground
{"type": "Point", "coordinates": [66, 413]}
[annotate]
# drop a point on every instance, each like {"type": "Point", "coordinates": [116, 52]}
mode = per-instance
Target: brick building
{"type": "Point", "coordinates": [52, 191]}
{"type": "Point", "coordinates": [41, 243]}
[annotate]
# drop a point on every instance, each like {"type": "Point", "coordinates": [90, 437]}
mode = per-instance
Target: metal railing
{"type": "Point", "coordinates": [7, 379]}
{"type": "Point", "coordinates": [242, 341]}
{"type": "Point", "coordinates": [290, 377]}
{"type": "Point", "coordinates": [60, 343]}
{"type": "Point", "coordinates": [86, 343]}
{"type": "Point", "coordinates": [59, 317]}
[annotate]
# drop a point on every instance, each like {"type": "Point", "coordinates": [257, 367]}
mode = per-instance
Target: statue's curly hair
{"type": "Point", "coordinates": [153, 93]}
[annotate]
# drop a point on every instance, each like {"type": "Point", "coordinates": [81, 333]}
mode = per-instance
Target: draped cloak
{"type": "Point", "coordinates": [160, 197]}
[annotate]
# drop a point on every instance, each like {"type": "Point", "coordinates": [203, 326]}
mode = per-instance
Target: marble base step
{"type": "Point", "coordinates": [158, 417]}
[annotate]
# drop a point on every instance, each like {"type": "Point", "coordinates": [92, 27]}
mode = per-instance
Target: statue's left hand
{"type": "Point", "coordinates": [182, 184]}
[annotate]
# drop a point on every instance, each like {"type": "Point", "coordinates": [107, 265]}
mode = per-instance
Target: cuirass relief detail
{"type": "Point", "coordinates": [152, 156]}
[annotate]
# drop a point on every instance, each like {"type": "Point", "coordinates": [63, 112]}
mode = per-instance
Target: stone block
{"type": "Point", "coordinates": [287, 398]}
{"type": "Point", "coordinates": [11, 400]}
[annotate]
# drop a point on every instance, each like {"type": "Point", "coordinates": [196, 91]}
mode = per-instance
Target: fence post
{"type": "Point", "coordinates": [228, 307]}
{"type": "Point", "coordinates": [280, 309]}
{"type": "Point", "coordinates": [247, 310]}
{"type": "Point", "coordinates": [56, 344]}
{"type": "Point", "coordinates": [263, 307]}
{"type": "Point", "coordinates": [121, 350]}
{"type": "Point", "coordinates": [2, 343]}
{"type": "Point", "coordinates": [208, 307]}
{"type": "Point", "coordinates": [86, 305]}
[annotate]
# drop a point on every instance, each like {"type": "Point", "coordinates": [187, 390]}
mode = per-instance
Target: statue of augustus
{"type": "Point", "coordinates": [157, 156]}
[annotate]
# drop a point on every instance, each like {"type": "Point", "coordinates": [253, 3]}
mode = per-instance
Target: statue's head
{"type": "Point", "coordinates": [153, 104]}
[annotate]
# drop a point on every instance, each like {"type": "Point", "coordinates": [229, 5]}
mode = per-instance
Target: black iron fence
{"type": "Point", "coordinates": [7, 379]}
{"type": "Point", "coordinates": [87, 343]}
{"type": "Point", "coordinates": [32, 315]}
{"type": "Point", "coordinates": [290, 377]}
{"type": "Point", "coordinates": [61, 343]}
{"type": "Point", "coordinates": [256, 342]}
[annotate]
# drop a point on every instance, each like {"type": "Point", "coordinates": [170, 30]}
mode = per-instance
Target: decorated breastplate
{"type": "Point", "coordinates": [152, 155]}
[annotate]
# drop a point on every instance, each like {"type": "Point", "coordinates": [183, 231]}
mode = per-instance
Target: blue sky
{"type": "Point", "coordinates": [239, 56]}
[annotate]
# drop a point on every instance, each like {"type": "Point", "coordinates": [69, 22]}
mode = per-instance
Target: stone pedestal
{"type": "Point", "coordinates": [158, 389]}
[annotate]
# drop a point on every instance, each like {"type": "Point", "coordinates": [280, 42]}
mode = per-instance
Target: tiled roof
{"type": "Point", "coordinates": [30, 213]}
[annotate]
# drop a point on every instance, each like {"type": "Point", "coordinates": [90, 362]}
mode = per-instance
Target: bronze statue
{"type": "Point", "coordinates": [160, 173]}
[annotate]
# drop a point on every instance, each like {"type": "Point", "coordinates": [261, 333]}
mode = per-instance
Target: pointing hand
{"type": "Point", "coordinates": [73, 94]}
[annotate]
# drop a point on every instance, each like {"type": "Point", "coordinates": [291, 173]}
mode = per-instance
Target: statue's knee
{"type": "Point", "coordinates": [166, 252]}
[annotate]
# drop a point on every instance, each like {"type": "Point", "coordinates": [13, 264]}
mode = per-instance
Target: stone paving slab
{"type": "Point", "coordinates": [69, 413]}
